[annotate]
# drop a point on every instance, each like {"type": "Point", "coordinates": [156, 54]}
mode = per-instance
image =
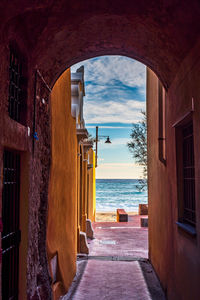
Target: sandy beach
{"type": "Point", "coordinates": [109, 216]}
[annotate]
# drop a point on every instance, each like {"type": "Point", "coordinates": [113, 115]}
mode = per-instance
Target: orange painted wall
{"type": "Point", "coordinates": [79, 214]}
{"type": "Point", "coordinates": [62, 208]}
{"type": "Point", "coordinates": [160, 219]}
{"type": "Point", "coordinates": [174, 253]}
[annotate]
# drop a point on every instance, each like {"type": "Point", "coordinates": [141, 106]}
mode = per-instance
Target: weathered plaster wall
{"type": "Point", "coordinates": [34, 169]}
{"type": "Point", "coordinates": [62, 205]}
{"type": "Point", "coordinates": [173, 252]}
{"type": "Point", "coordinates": [38, 279]}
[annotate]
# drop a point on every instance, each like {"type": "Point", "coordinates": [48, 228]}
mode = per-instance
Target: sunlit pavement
{"type": "Point", "coordinates": [120, 239]}
{"type": "Point", "coordinates": [117, 266]}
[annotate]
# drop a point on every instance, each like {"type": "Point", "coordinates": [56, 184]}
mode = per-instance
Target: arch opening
{"type": "Point", "coordinates": [84, 161]}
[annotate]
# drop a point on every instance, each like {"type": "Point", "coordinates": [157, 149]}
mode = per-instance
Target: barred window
{"type": "Point", "coordinates": [188, 175]}
{"type": "Point", "coordinates": [11, 233]}
{"type": "Point", "coordinates": [186, 171]}
{"type": "Point", "coordinates": [17, 87]}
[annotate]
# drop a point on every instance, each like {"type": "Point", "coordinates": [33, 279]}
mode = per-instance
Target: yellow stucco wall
{"type": "Point", "coordinates": [84, 194]}
{"type": "Point", "coordinates": [82, 167]}
{"type": "Point", "coordinates": [91, 209]}
{"type": "Point", "coordinates": [94, 188]}
{"type": "Point", "coordinates": [62, 208]}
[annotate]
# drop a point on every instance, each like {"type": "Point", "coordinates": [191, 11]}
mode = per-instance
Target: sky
{"type": "Point", "coordinates": [115, 88]}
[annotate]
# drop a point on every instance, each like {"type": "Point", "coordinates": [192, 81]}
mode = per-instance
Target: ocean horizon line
{"type": "Point", "coordinates": [120, 178]}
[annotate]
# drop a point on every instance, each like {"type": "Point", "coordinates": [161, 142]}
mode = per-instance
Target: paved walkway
{"type": "Point", "coordinates": [120, 239]}
{"type": "Point", "coordinates": [117, 266]}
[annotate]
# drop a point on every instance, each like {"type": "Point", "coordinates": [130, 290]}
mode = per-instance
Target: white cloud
{"type": "Point", "coordinates": [113, 112]}
{"type": "Point", "coordinates": [109, 127]}
{"type": "Point", "coordinates": [115, 143]}
{"type": "Point", "coordinates": [116, 165]}
{"type": "Point", "coordinates": [107, 68]}
{"type": "Point", "coordinates": [108, 94]}
{"type": "Point", "coordinates": [119, 171]}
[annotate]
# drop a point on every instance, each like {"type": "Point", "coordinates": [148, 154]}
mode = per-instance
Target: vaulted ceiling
{"type": "Point", "coordinates": [60, 33]}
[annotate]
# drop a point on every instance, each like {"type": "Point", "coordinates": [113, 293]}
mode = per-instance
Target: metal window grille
{"type": "Point", "coordinates": [15, 87]}
{"type": "Point", "coordinates": [11, 232]}
{"type": "Point", "coordinates": [188, 175]}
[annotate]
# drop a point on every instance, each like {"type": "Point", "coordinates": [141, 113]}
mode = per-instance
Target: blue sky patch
{"type": "Point", "coordinates": [115, 89]}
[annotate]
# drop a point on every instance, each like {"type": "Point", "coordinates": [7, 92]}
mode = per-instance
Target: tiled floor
{"type": "Point", "coordinates": [117, 266]}
{"type": "Point", "coordinates": [120, 239]}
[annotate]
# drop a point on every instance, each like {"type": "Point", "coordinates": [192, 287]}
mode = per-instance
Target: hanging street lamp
{"type": "Point", "coordinates": [97, 140]}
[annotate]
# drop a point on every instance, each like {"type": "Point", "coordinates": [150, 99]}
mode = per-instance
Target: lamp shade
{"type": "Point", "coordinates": [108, 140]}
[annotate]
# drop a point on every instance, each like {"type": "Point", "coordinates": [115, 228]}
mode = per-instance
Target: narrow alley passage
{"type": "Point", "coordinates": [117, 266]}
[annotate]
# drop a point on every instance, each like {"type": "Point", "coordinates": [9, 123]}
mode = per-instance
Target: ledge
{"type": "Point", "coordinates": [188, 228]}
{"type": "Point", "coordinates": [87, 145]}
{"type": "Point", "coordinates": [81, 133]}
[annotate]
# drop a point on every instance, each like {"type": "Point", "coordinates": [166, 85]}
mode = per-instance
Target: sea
{"type": "Point", "coordinates": [119, 193]}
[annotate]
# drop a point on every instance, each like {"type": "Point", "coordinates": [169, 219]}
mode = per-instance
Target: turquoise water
{"type": "Point", "coordinates": [118, 193]}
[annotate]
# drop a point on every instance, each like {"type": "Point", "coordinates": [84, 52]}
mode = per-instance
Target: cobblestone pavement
{"type": "Point", "coordinates": [117, 266]}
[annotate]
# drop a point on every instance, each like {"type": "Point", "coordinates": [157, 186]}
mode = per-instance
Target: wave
{"type": "Point", "coordinates": [118, 193]}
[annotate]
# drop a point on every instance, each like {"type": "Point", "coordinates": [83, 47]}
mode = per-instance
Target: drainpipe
{"type": "Point", "coordinates": [161, 138]}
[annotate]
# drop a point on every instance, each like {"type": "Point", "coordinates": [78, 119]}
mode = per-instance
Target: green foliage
{"type": "Point", "coordinates": [138, 148]}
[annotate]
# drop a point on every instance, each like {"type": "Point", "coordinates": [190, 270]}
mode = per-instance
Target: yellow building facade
{"type": "Point", "coordinates": [72, 181]}
{"type": "Point", "coordinates": [91, 194]}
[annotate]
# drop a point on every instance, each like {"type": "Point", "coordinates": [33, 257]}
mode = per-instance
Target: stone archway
{"type": "Point", "coordinates": [57, 34]}
{"type": "Point", "coordinates": [156, 33]}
